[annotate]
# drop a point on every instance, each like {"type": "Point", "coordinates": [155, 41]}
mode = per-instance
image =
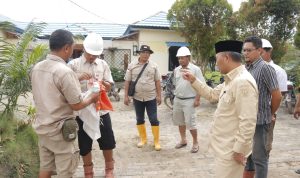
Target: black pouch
{"type": "Point", "coordinates": [69, 129]}
{"type": "Point", "coordinates": [131, 88]}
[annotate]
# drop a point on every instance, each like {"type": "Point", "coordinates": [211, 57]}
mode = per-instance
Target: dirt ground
{"type": "Point", "coordinates": [133, 162]}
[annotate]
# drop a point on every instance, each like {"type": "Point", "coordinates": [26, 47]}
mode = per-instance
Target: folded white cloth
{"type": "Point", "coordinates": [90, 118]}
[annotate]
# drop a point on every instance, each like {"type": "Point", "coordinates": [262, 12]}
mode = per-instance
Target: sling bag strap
{"type": "Point", "coordinates": [138, 77]}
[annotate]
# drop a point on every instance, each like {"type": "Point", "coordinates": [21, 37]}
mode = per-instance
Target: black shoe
{"type": "Point", "coordinates": [298, 171]}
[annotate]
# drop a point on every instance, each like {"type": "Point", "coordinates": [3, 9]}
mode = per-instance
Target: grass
{"type": "Point", "coordinates": [19, 149]}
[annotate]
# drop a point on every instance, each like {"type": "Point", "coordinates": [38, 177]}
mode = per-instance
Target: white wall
{"type": "Point", "coordinates": [157, 39]}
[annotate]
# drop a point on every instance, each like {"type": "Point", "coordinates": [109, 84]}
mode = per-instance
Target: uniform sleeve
{"type": "Point", "coordinates": [157, 74]}
{"type": "Point", "coordinates": [128, 74]}
{"type": "Point", "coordinates": [107, 73]}
{"type": "Point", "coordinates": [246, 104]}
{"type": "Point", "coordinates": [71, 88]}
{"type": "Point", "coordinates": [211, 94]}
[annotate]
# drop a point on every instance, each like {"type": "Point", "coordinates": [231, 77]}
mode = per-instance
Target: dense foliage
{"type": "Point", "coordinates": [202, 23]}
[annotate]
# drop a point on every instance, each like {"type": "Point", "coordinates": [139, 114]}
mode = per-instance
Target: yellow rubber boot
{"type": "Point", "coordinates": [143, 136]}
{"type": "Point", "coordinates": [155, 132]}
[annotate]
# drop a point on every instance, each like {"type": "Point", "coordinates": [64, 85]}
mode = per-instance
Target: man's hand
{"type": "Point", "coordinates": [126, 100]}
{"type": "Point", "coordinates": [188, 76]}
{"type": "Point", "coordinates": [95, 97]}
{"type": "Point", "coordinates": [296, 112]}
{"type": "Point", "coordinates": [158, 100]}
{"type": "Point", "coordinates": [239, 158]}
{"type": "Point", "coordinates": [84, 76]}
{"type": "Point", "coordinates": [196, 103]}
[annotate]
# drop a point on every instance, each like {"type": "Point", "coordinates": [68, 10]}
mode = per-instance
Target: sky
{"type": "Point", "coordinates": [102, 11]}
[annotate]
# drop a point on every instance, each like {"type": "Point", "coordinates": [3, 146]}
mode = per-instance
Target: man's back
{"type": "Point", "coordinates": [54, 87]}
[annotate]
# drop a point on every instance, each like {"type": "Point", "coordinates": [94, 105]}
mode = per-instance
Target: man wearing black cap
{"type": "Point", "coordinates": [147, 94]}
{"type": "Point", "coordinates": [233, 127]}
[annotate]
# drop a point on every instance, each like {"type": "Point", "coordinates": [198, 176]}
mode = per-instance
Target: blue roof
{"type": "Point", "coordinates": [106, 30]}
{"type": "Point", "coordinates": [157, 21]}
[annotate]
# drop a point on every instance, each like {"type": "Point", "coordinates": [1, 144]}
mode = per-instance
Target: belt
{"type": "Point", "coordinates": [185, 98]}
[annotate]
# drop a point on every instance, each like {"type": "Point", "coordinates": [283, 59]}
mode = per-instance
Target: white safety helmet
{"type": "Point", "coordinates": [266, 43]}
{"type": "Point", "coordinates": [93, 44]}
{"type": "Point", "coordinates": [183, 51]}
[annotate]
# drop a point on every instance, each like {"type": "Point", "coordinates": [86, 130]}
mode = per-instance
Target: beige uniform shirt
{"type": "Point", "coordinates": [183, 87]}
{"type": "Point", "coordinates": [54, 87]}
{"type": "Point", "coordinates": [145, 89]}
{"type": "Point", "coordinates": [235, 117]}
{"type": "Point", "coordinates": [99, 70]}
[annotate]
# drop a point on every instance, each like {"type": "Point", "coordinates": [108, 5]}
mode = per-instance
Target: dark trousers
{"type": "Point", "coordinates": [150, 107]}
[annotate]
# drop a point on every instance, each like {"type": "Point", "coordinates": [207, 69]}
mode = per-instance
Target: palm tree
{"type": "Point", "coordinates": [16, 61]}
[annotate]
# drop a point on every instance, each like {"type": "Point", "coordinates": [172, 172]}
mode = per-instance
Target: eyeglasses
{"type": "Point", "coordinates": [249, 50]}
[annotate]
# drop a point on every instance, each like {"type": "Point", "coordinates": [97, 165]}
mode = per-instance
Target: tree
{"type": "Point", "coordinates": [202, 23]}
{"type": "Point", "coordinates": [15, 63]}
{"type": "Point", "coordinates": [273, 20]}
{"type": "Point", "coordinates": [297, 36]}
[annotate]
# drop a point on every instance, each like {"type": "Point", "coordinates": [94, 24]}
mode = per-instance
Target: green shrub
{"type": "Point", "coordinates": [117, 74]}
{"type": "Point", "coordinates": [213, 75]}
{"type": "Point", "coordinates": [19, 155]}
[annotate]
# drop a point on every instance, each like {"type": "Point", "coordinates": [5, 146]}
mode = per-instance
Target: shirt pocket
{"type": "Point", "coordinates": [98, 75]}
{"type": "Point", "coordinates": [226, 102]}
{"type": "Point", "coordinates": [150, 73]}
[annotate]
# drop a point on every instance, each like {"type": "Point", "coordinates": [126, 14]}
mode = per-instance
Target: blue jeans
{"type": "Point", "coordinates": [259, 152]}
{"type": "Point", "coordinates": [151, 108]}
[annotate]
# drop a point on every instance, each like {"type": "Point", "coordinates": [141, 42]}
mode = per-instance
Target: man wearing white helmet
{"type": "Point", "coordinates": [282, 82]}
{"type": "Point", "coordinates": [90, 68]}
{"type": "Point", "coordinates": [186, 99]}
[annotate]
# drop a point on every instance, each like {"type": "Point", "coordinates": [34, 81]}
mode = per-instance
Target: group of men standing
{"type": "Point", "coordinates": [243, 122]}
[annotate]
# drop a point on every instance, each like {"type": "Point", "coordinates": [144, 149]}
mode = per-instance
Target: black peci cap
{"type": "Point", "coordinates": [229, 45]}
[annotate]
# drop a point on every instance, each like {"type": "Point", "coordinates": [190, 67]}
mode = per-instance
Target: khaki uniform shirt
{"type": "Point", "coordinates": [54, 87]}
{"type": "Point", "coordinates": [236, 114]}
{"type": "Point", "coordinates": [145, 89]}
{"type": "Point", "coordinates": [99, 70]}
{"type": "Point", "coordinates": [183, 87]}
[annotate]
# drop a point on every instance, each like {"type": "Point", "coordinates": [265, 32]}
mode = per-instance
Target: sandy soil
{"type": "Point", "coordinates": [170, 162]}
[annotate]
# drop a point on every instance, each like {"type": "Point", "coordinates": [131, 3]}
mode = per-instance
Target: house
{"type": "Point", "coordinates": [121, 41]}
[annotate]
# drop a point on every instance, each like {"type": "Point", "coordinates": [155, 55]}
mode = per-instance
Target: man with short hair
{"type": "Point", "coordinates": [89, 68]}
{"type": "Point", "coordinates": [266, 54]}
{"type": "Point", "coordinates": [56, 94]}
{"type": "Point", "coordinates": [269, 102]}
{"type": "Point", "coordinates": [186, 99]}
{"type": "Point", "coordinates": [147, 94]}
{"type": "Point", "coordinates": [232, 131]}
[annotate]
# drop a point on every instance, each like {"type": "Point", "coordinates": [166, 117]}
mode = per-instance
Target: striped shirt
{"type": "Point", "coordinates": [266, 80]}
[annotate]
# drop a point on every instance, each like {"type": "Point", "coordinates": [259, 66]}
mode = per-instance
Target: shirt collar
{"type": "Point", "coordinates": [86, 62]}
{"type": "Point", "coordinates": [187, 67]}
{"type": "Point", "coordinates": [56, 58]}
{"type": "Point", "coordinates": [254, 64]}
{"type": "Point", "coordinates": [232, 74]}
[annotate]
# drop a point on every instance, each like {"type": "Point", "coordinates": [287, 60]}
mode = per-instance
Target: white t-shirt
{"type": "Point", "coordinates": [281, 76]}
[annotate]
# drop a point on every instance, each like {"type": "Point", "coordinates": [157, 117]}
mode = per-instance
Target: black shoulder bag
{"type": "Point", "coordinates": [131, 88]}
